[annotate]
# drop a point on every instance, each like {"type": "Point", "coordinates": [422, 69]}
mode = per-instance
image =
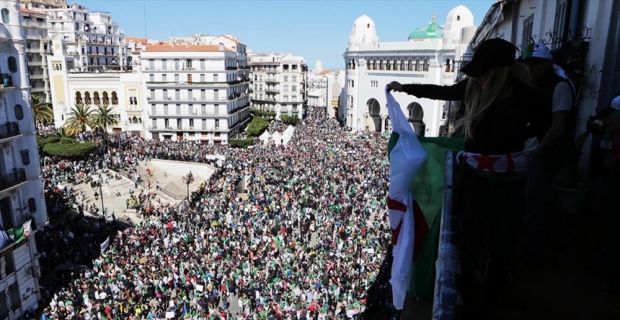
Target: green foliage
{"type": "Point", "coordinates": [292, 120]}
{"type": "Point", "coordinates": [257, 126]}
{"type": "Point", "coordinates": [70, 149]}
{"type": "Point", "coordinates": [44, 140]}
{"type": "Point", "coordinates": [262, 113]}
{"type": "Point", "coordinates": [241, 143]}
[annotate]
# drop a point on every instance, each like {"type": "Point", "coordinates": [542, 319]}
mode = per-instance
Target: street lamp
{"type": "Point", "coordinates": [188, 179]}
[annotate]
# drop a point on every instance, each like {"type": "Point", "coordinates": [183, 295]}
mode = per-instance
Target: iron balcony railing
{"type": "Point", "coordinates": [12, 179]}
{"type": "Point", "coordinates": [9, 129]}
{"type": "Point", "coordinates": [445, 302]}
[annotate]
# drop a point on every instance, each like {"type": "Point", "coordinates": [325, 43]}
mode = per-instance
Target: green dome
{"type": "Point", "coordinates": [432, 31]}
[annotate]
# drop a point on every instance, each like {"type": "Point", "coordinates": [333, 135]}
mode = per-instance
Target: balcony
{"type": "Point", "coordinates": [232, 68]}
{"type": "Point", "coordinates": [9, 130]}
{"type": "Point", "coordinates": [15, 178]}
{"type": "Point", "coordinates": [187, 115]}
{"type": "Point", "coordinates": [272, 80]}
{"type": "Point", "coordinates": [188, 128]}
{"type": "Point", "coordinates": [36, 77]}
{"type": "Point", "coordinates": [6, 80]}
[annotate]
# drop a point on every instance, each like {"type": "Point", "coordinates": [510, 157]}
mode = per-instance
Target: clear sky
{"type": "Point", "coordinates": [314, 29]}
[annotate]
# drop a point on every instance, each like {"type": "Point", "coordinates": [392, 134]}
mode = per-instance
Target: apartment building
{"type": "Point", "coordinates": [195, 91]}
{"type": "Point", "coordinates": [279, 83]}
{"type": "Point", "coordinates": [22, 204]}
{"type": "Point", "coordinates": [38, 47]}
{"type": "Point", "coordinates": [42, 4]}
{"type": "Point", "coordinates": [91, 37]}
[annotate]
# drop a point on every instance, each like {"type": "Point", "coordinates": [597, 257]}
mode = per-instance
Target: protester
{"type": "Point", "coordinates": [304, 240]}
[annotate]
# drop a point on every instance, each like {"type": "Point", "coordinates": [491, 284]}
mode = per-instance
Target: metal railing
{"type": "Point", "coordinates": [12, 179]}
{"type": "Point", "coordinates": [9, 129]}
{"type": "Point", "coordinates": [445, 302]}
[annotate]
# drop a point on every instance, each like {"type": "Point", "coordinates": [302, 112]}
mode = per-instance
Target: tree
{"type": "Point", "coordinates": [103, 119]}
{"type": "Point", "coordinates": [79, 120]}
{"type": "Point", "coordinates": [41, 111]}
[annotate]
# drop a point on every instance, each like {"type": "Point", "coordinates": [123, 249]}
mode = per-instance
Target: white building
{"type": "Point", "coordinates": [22, 204]}
{"type": "Point", "coordinates": [91, 38]}
{"type": "Point", "coordinates": [324, 89]}
{"type": "Point", "coordinates": [584, 37]}
{"type": "Point", "coordinates": [279, 83]}
{"type": "Point", "coordinates": [426, 58]}
{"type": "Point", "coordinates": [195, 91]}
{"type": "Point", "coordinates": [38, 47]}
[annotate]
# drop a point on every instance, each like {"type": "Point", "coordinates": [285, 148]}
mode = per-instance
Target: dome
{"type": "Point", "coordinates": [431, 31]}
{"type": "Point", "coordinates": [318, 67]}
{"type": "Point", "coordinates": [363, 26]}
{"type": "Point", "coordinates": [458, 18]}
{"type": "Point", "coordinates": [363, 32]}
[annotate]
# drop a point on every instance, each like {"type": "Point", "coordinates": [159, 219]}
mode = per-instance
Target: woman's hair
{"type": "Point", "coordinates": [478, 100]}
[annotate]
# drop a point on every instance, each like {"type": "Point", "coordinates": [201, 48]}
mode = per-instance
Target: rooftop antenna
{"type": "Point", "coordinates": [146, 35]}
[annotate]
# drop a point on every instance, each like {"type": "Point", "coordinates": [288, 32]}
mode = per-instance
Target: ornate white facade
{"type": "Point", "coordinates": [22, 204]}
{"type": "Point", "coordinates": [426, 58]}
{"type": "Point", "coordinates": [324, 89]}
{"type": "Point", "coordinates": [278, 83]}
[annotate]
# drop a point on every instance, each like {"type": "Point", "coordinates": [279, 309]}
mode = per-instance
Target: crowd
{"type": "Point", "coordinates": [305, 239]}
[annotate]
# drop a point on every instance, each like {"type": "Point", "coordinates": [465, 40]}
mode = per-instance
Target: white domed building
{"type": "Point", "coordinates": [427, 57]}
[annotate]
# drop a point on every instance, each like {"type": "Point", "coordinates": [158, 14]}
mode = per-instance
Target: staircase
{"type": "Point", "coordinates": [169, 192]}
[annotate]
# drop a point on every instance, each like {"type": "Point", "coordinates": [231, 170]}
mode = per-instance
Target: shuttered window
{"type": "Point", "coordinates": [560, 24]}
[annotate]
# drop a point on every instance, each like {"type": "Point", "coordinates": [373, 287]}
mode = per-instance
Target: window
{"type": "Point", "coordinates": [5, 16]}
{"type": "Point", "coordinates": [4, 306]}
{"type": "Point", "coordinates": [425, 65]}
{"type": "Point", "coordinates": [216, 109]}
{"type": "Point", "coordinates": [16, 301]}
{"type": "Point", "coordinates": [528, 26]}
{"type": "Point", "coordinates": [176, 78]}
{"type": "Point", "coordinates": [285, 98]}
{"type": "Point", "coordinates": [284, 88]}
{"type": "Point", "coordinates": [293, 78]}
{"type": "Point", "coordinates": [151, 78]}
{"type": "Point", "coordinates": [560, 24]}
{"type": "Point", "coordinates": [188, 63]}
{"type": "Point", "coordinates": [164, 78]}
{"type": "Point", "coordinates": [458, 18]}
{"type": "Point", "coordinates": [217, 123]}
{"type": "Point", "coordinates": [294, 88]}
{"type": "Point", "coordinates": [9, 266]}
{"type": "Point", "coordinates": [285, 79]}
{"type": "Point", "coordinates": [25, 157]}
{"type": "Point", "coordinates": [19, 112]}
{"type": "Point", "coordinates": [12, 64]}
{"type": "Point", "coordinates": [191, 123]}
{"type": "Point", "coordinates": [293, 98]}
{"type": "Point", "coordinates": [164, 64]}
{"type": "Point", "coordinates": [215, 77]}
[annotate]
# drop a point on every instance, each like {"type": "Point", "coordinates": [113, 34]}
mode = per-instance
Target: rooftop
{"type": "Point", "coordinates": [183, 48]}
{"type": "Point", "coordinates": [431, 31]}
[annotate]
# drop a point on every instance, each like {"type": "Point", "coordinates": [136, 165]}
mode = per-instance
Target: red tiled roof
{"type": "Point", "coordinates": [24, 10]}
{"type": "Point", "coordinates": [182, 48]}
{"type": "Point", "coordinates": [137, 40]}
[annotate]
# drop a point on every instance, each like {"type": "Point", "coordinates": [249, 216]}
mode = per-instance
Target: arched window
{"type": "Point", "coordinates": [78, 98]}
{"type": "Point", "coordinates": [374, 64]}
{"type": "Point", "coordinates": [5, 16]}
{"type": "Point", "coordinates": [134, 119]}
{"type": "Point", "coordinates": [96, 98]}
{"type": "Point", "coordinates": [458, 18]}
{"type": "Point", "coordinates": [389, 64]}
{"type": "Point", "coordinates": [425, 65]}
{"type": "Point", "coordinates": [12, 62]}
{"type": "Point", "coordinates": [114, 98]}
{"type": "Point", "coordinates": [106, 99]}
{"type": "Point", "coordinates": [448, 65]}
{"type": "Point", "coordinates": [19, 112]}
{"type": "Point", "coordinates": [398, 64]}
{"type": "Point", "coordinates": [409, 65]}
{"type": "Point", "coordinates": [415, 115]}
{"type": "Point", "coordinates": [374, 108]}
{"type": "Point", "coordinates": [368, 65]}
{"type": "Point", "coordinates": [87, 100]}
{"type": "Point", "coordinates": [417, 65]}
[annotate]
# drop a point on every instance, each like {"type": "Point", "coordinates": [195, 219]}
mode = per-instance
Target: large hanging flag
{"type": "Point", "coordinates": [406, 157]}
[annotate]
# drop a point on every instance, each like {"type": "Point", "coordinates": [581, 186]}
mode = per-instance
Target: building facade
{"type": "Point", "coordinates": [279, 83]}
{"type": "Point", "coordinates": [43, 4]}
{"type": "Point", "coordinates": [38, 47]}
{"type": "Point", "coordinates": [584, 37]}
{"type": "Point", "coordinates": [195, 92]}
{"type": "Point", "coordinates": [22, 204]}
{"type": "Point", "coordinates": [427, 57]}
{"type": "Point", "coordinates": [121, 90]}
{"type": "Point", "coordinates": [324, 89]}
{"type": "Point", "coordinates": [94, 41]}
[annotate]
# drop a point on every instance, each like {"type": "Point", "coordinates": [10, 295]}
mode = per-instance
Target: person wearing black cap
{"type": "Point", "coordinates": [498, 103]}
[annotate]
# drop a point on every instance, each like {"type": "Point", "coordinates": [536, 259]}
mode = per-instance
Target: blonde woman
{"type": "Point", "coordinates": [497, 104]}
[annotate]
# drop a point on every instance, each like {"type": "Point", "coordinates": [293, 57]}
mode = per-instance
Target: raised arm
{"type": "Point", "coordinates": [455, 92]}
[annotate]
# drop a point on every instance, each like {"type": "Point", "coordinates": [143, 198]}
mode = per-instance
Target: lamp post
{"type": "Point", "coordinates": [188, 179]}
{"type": "Point", "coordinates": [101, 195]}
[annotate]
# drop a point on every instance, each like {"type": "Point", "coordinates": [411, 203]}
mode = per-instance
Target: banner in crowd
{"type": "Point", "coordinates": [406, 156]}
{"type": "Point", "coordinates": [105, 245]}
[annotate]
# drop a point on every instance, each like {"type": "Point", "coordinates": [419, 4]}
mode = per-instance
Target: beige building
{"type": "Point", "coordinates": [37, 49]}
{"type": "Point", "coordinates": [279, 83]}
{"type": "Point", "coordinates": [119, 89]}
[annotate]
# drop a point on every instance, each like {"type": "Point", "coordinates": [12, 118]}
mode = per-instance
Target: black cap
{"type": "Point", "coordinates": [490, 54]}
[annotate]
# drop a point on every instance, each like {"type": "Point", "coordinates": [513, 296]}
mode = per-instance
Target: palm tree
{"type": "Point", "coordinates": [103, 119]}
{"type": "Point", "coordinates": [80, 119]}
{"type": "Point", "coordinates": [41, 111]}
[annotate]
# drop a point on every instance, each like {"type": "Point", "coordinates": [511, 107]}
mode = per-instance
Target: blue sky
{"type": "Point", "coordinates": [314, 29]}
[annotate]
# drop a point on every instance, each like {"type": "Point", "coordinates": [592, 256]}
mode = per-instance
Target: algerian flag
{"type": "Point", "coordinates": [406, 157]}
{"type": "Point", "coordinates": [27, 228]}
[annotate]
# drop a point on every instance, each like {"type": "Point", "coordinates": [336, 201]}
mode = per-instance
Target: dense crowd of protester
{"type": "Point", "coordinates": [305, 239]}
